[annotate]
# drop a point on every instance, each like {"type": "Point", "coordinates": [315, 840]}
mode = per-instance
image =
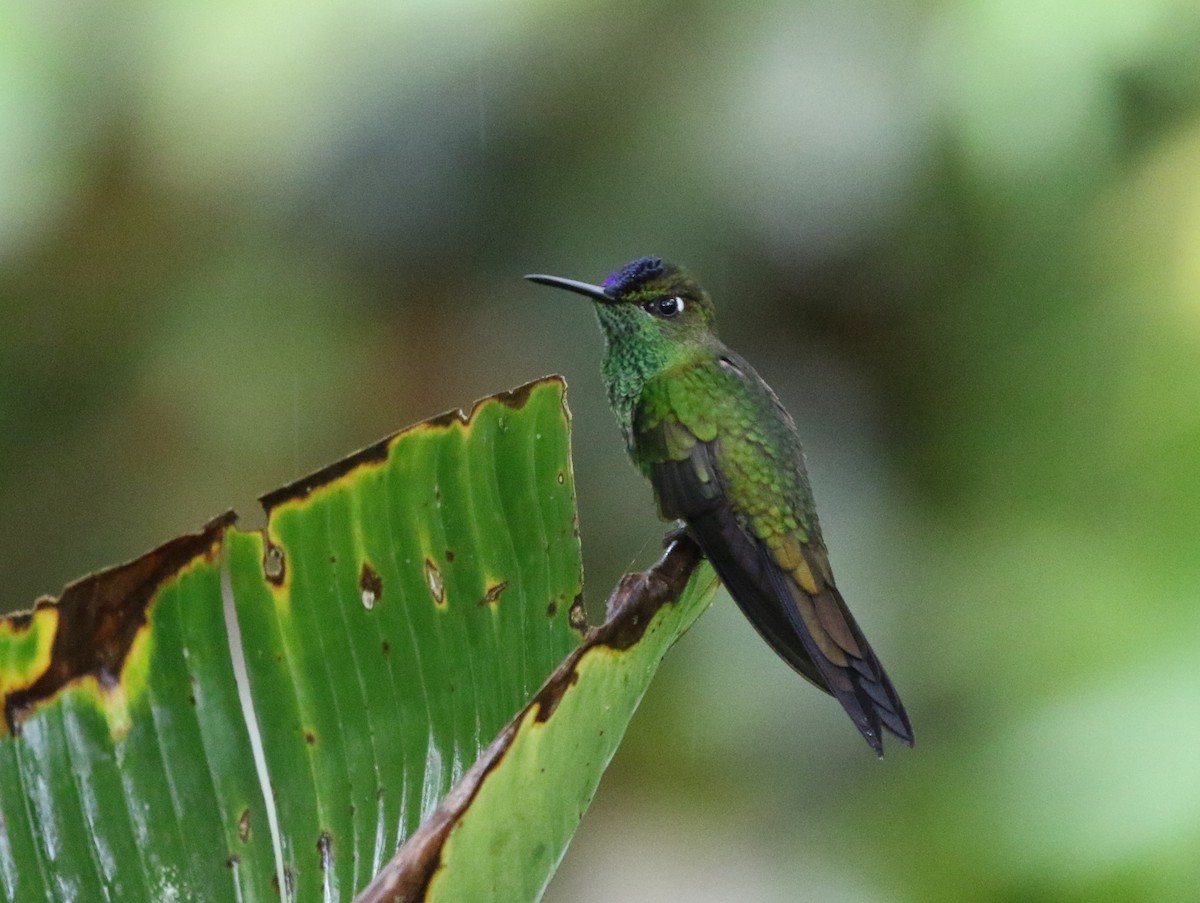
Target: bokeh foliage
{"type": "Point", "coordinates": [959, 238]}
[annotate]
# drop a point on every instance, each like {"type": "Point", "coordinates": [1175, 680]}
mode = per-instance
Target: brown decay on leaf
{"type": "Point", "coordinates": [369, 581]}
{"type": "Point", "coordinates": [577, 614]}
{"type": "Point", "coordinates": [435, 582]}
{"type": "Point", "coordinates": [638, 597]}
{"type": "Point", "coordinates": [289, 879]}
{"type": "Point", "coordinates": [274, 564]}
{"type": "Point", "coordinates": [377, 452]}
{"type": "Point", "coordinates": [325, 850]}
{"type": "Point", "coordinates": [100, 615]}
{"type": "Point", "coordinates": [244, 826]}
{"type": "Point", "coordinates": [493, 593]}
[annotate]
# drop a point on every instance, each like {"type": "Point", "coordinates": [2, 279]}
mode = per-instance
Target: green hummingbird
{"type": "Point", "coordinates": [724, 457]}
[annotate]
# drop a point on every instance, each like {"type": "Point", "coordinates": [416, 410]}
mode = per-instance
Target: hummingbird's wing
{"type": "Point", "coordinates": [779, 578]}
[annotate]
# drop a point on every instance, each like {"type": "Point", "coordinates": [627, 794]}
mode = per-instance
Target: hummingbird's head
{"type": "Point", "coordinates": [647, 302]}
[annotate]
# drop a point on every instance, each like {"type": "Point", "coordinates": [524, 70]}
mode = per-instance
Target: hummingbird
{"type": "Point", "coordinates": [724, 457]}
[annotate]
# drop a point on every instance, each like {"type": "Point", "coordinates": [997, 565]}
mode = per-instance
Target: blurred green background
{"type": "Point", "coordinates": [961, 239]}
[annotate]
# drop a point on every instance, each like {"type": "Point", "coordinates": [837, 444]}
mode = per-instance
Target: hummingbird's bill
{"type": "Point", "coordinates": [595, 292]}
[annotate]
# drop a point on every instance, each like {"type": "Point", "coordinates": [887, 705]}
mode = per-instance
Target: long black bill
{"type": "Point", "coordinates": [595, 292]}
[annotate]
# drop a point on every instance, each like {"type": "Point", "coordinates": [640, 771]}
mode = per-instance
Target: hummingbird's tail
{"type": "Point", "coordinates": [809, 627]}
{"type": "Point", "coordinates": [851, 671]}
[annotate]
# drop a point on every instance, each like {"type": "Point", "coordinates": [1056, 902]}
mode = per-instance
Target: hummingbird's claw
{"type": "Point", "coordinates": [676, 533]}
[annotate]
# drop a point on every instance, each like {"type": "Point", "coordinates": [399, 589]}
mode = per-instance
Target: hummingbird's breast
{"type": "Point", "coordinates": [631, 359]}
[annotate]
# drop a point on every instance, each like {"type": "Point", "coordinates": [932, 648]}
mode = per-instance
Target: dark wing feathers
{"type": "Point", "coordinates": [810, 628]}
{"type": "Point", "coordinates": [687, 488]}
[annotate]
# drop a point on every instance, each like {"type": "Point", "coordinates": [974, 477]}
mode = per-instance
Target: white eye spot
{"type": "Point", "coordinates": [665, 307]}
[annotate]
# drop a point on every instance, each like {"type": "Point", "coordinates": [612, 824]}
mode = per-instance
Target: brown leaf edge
{"type": "Point", "coordinates": [377, 452]}
{"type": "Point", "coordinates": [100, 615]}
{"type": "Point", "coordinates": [631, 607]}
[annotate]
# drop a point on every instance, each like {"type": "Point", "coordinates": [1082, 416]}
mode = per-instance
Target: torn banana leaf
{"type": "Point", "coordinates": [398, 609]}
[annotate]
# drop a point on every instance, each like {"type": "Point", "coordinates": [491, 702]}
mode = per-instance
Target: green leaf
{"type": "Point", "coordinates": [398, 609]}
{"type": "Point", "coordinates": [126, 770]}
{"type": "Point", "coordinates": [413, 598]}
{"type": "Point", "coordinates": [501, 832]}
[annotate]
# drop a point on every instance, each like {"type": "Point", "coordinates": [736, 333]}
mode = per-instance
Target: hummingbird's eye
{"type": "Point", "coordinates": [665, 307]}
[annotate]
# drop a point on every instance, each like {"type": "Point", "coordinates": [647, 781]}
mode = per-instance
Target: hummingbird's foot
{"type": "Point", "coordinates": [676, 533]}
